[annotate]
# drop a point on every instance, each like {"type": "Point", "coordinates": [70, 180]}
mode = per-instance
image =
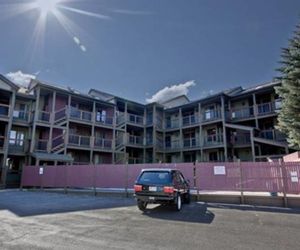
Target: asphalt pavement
{"type": "Point", "coordinates": [41, 220]}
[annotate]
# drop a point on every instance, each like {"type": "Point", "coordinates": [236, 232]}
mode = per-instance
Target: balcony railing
{"type": "Point", "coordinates": [105, 120]}
{"type": "Point", "coordinates": [103, 143]}
{"type": "Point", "coordinates": [173, 123]}
{"type": "Point", "coordinates": [21, 115]}
{"type": "Point", "coordinates": [4, 110]}
{"type": "Point", "coordinates": [272, 134]}
{"type": "Point", "coordinates": [241, 139]}
{"type": "Point", "coordinates": [82, 115]}
{"type": "Point", "coordinates": [80, 141]}
{"type": "Point", "coordinates": [213, 140]}
{"type": "Point", "coordinates": [135, 160]}
{"type": "Point", "coordinates": [18, 145]}
{"type": "Point", "coordinates": [135, 140]}
{"type": "Point", "coordinates": [136, 119]}
{"type": "Point", "coordinates": [189, 120]}
{"type": "Point", "coordinates": [43, 116]}
{"type": "Point", "coordinates": [269, 107]}
{"type": "Point", "coordinates": [210, 115]}
{"type": "Point", "coordinates": [241, 113]}
{"type": "Point", "coordinates": [190, 143]}
{"type": "Point", "coordinates": [41, 145]}
{"type": "Point", "coordinates": [171, 145]}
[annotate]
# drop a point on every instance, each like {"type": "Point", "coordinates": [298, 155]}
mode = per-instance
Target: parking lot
{"type": "Point", "coordinates": [40, 220]}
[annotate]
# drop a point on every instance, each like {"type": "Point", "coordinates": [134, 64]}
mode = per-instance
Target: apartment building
{"type": "Point", "coordinates": [50, 124]}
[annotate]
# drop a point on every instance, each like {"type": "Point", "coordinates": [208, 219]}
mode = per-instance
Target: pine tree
{"type": "Point", "coordinates": [289, 91]}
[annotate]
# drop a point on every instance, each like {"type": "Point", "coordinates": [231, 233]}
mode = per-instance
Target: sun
{"type": "Point", "coordinates": [46, 6]}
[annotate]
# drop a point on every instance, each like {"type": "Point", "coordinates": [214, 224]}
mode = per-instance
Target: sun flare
{"type": "Point", "coordinates": [47, 6]}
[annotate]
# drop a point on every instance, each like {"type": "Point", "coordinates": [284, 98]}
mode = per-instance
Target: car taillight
{"type": "Point", "coordinates": [138, 188]}
{"type": "Point", "coordinates": [169, 190]}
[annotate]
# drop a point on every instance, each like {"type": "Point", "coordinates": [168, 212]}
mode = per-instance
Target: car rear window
{"type": "Point", "coordinates": [155, 177]}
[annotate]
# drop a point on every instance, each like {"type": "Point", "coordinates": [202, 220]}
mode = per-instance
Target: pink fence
{"type": "Point", "coordinates": [244, 176]}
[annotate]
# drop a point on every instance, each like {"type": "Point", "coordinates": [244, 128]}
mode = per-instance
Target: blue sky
{"type": "Point", "coordinates": [138, 47]}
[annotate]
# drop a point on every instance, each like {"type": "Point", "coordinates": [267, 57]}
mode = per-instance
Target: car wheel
{"type": "Point", "coordinates": [178, 203]}
{"type": "Point", "coordinates": [142, 205]}
{"type": "Point", "coordinates": [187, 198]}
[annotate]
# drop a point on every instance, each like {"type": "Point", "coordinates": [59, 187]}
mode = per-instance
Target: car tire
{"type": "Point", "coordinates": [142, 205]}
{"type": "Point", "coordinates": [187, 198]}
{"type": "Point", "coordinates": [178, 202]}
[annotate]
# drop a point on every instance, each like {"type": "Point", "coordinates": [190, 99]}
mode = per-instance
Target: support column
{"type": "Point", "coordinates": [200, 132]}
{"type": "Point", "coordinates": [7, 136]}
{"type": "Point", "coordinates": [68, 124]}
{"type": "Point", "coordinates": [255, 110]}
{"type": "Point", "coordinates": [35, 118]}
{"type": "Point", "coordinates": [52, 118]}
{"type": "Point", "coordinates": [92, 138]}
{"type": "Point", "coordinates": [114, 135]}
{"type": "Point", "coordinates": [154, 134]}
{"type": "Point", "coordinates": [180, 135]}
{"type": "Point", "coordinates": [252, 145]}
{"type": "Point", "coordinates": [224, 128]}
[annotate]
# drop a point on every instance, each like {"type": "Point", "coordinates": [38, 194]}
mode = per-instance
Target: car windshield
{"type": "Point", "coordinates": [158, 177]}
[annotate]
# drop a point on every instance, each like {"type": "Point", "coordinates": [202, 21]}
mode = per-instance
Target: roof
{"type": "Point", "coordinates": [10, 83]}
{"type": "Point", "coordinates": [255, 88]}
{"type": "Point", "coordinates": [70, 90]}
{"type": "Point", "coordinates": [52, 157]}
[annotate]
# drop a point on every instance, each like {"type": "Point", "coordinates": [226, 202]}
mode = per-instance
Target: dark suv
{"type": "Point", "coordinates": [162, 186]}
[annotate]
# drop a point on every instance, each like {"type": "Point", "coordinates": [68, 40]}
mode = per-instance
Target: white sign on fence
{"type": "Point", "coordinates": [294, 176]}
{"type": "Point", "coordinates": [219, 170]}
{"type": "Point", "coordinates": [41, 171]}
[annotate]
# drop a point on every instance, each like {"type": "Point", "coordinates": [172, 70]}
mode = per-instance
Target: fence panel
{"type": "Point", "coordinates": [261, 177]}
{"type": "Point", "coordinates": [80, 176]}
{"type": "Point", "coordinates": [292, 180]}
{"type": "Point", "coordinates": [31, 176]}
{"type": "Point", "coordinates": [210, 176]}
{"type": "Point", "coordinates": [110, 176]}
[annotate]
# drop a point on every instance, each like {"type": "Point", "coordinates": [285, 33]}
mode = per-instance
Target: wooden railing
{"type": "Point", "coordinates": [103, 143]}
{"type": "Point", "coordinates": [136, 119]}
{"type": "Point", "coordinates": [213, 140]}
{"type": "Point", "coordinates": [4, 110]}
{"type": "Point", "coordinates": [80, 141]}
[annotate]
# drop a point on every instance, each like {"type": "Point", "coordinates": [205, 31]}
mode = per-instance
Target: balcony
{"type": "Point", "coordinates": [135, 140]}
{"type": "Point", "coordinates": [81, 115]}
{"type": "Point", "coordinates": [272, 134]}
{"type": "Point", "coordinates": [211, 115]}
{"type": "Point", "coordinates": [190, 143]}
{"type": "Point", "coordinates": [21, 116]}
{"type": "Point", "coordinates": [100, 143]}
{"type": "Point", "coordinates": [172, 124]}
{"type": "Point", "coordinates": [240, 139]}
{"type": "Point", "coordinates": [135, 119]}
{"type": "Point", "coordinates": [242, 113]}
{"type": "Point", "coordinates": [135, 160]}
{"type": "Point", "coordinates": [269, 107]}
{"type": "Point", "coordinates": [213, 140]}
{"type": "Point", "coordinates": [41, 145]}
{"type": "Point", "coordinates": [189, 120]}
{"type": "Point", "coordinates": [172, 145]}
{"type": "Point", "coordinates": [18, 145]}
{"type": "Point", "coordinates": [4, 110]}
{"type": "Point", "coordinates": [43, 116]}
{"type": "Point", "coordinates": [80, 141]}
{"type": "Point", "coordinates": [105, 120]}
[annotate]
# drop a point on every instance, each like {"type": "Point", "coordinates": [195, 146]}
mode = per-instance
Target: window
{"type": "Point", "coordinates": [16, 138]}
{"type": "Point", "coordinates": [101, 115]}
{"type": "Point", "coordinates": [213, 156]}
{"type": "Point", "coordinates": [158, 177]}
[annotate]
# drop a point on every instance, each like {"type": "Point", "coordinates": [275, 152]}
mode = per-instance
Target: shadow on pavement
{"type": "Point", "coordinates": [193, 213]}
{"type": "Point", "coordinates": [24, 203]}
{"type": "Point", "coordinates": [254, 208]}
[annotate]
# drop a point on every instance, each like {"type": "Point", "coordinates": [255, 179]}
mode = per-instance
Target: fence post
{"type": "Point", "coordinates": [94, 180]}
{"type": "Point", "coordinates": [126, 176]}
{"type": "Point", "coordinates": [241, 181]}
{"type": "Point", "coordinates": [283, 181]}
{"type": "Point", "coordinates": [66, 179]}
{"type": "Point", "coordinates": [195, 179]}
